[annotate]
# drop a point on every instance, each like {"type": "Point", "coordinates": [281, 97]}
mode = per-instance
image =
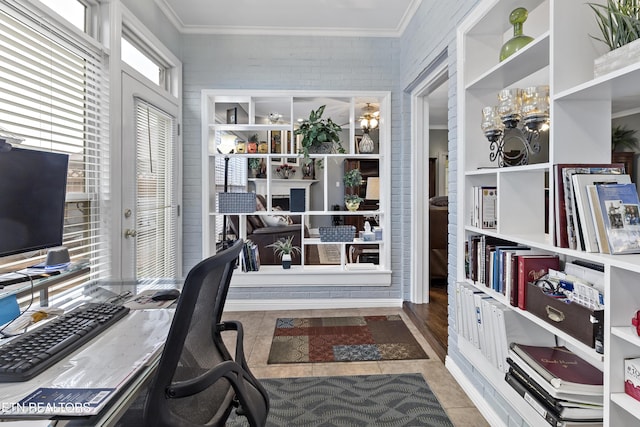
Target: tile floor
{"type": "Point", "coordinates": [259, 327]}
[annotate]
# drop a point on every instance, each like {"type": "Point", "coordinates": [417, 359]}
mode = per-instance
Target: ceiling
{"type": "Point", "coordinates": [358, 18]}
{"type": "Point", "coordinates": [370, 18]}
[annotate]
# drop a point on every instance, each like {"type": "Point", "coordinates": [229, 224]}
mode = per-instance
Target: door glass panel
{"type": "Point", "coordinates": [156, 205]}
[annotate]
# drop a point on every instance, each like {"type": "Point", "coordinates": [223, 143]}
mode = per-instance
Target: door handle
{"type": "Point", "coordinates": [129, 233]}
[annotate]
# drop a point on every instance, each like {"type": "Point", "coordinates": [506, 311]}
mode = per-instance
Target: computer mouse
{"type": "Point", "coordinates": [165, 295]}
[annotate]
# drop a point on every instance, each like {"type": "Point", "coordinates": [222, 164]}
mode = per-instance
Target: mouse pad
{"type": "Point", "coordinates": [143, 301]}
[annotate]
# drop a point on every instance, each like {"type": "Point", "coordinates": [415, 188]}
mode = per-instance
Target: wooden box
{"type": "Point", "coordinates": [580, 322]}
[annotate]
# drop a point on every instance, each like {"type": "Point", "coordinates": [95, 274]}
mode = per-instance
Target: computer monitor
{"type": "Point", "coordinates": [33, 186]}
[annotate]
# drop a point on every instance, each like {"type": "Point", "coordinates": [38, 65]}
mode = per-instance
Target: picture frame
{"type": "Point", "coordinates": [286, 145]}
{"type": "Point", "coordinates": [232, 116]}
{"type": "Point", "coordinates": [292, 148]}
{"type": "Point", "coordinates": [357, 147]}
{"type": "Point", "coordinates": [275, 141]}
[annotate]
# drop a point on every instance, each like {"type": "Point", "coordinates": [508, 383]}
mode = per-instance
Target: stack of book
{"type": "Point", "coordinates": [597, 208]}
{"type": "Point", "coordinates": [562, 387]}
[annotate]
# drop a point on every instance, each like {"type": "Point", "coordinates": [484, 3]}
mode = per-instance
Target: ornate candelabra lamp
{"type": "Point", "coordinates": [528, 108]}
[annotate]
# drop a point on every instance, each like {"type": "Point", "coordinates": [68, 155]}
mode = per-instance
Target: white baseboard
{"type": "Point", "coordinates": [474, 395]}
{"type": "Point", "coordinates": [307, 304]}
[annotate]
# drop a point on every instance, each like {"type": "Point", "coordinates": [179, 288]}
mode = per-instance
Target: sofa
{"type": "Point", "coordinates": [438, 235]}
{"type": "Point", "coordinates": [262, 234]}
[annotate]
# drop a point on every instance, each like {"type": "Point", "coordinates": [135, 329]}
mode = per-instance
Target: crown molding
{"type": "Point", "coordinates": [183, 28]}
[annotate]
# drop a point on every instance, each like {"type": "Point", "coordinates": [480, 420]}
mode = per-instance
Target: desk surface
{"type": "Point", "coordinates": [112, 362]}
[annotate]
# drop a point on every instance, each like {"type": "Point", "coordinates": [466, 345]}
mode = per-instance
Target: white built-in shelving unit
{"type": "Point", "coordinates": [582, 107]}
{"type": "Point", "coordinates": [242, 114]}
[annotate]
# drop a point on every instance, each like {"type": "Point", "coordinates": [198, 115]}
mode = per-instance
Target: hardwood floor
{"type": "Point", "coordinates": [432, 319]}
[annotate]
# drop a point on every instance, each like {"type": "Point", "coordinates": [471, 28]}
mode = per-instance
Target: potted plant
{"type": "Point", "coordinates": [254, 167]}
{"type": "Point", "coordinates": [284, 248]}
{"type": "Point", "coordinates": [622, 138]}
{"type": "Point", "coordinates": [352, 179]}
{"type": "Point", "coordinates": [619, 23]}
{"type": "Point", "coordinates": [318, 135]}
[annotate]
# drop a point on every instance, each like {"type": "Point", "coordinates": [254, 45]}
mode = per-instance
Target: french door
{"type": "Point", "coordinates": [150, 238]}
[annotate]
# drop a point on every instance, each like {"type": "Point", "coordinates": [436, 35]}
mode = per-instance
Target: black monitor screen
{"type": "Point", "coordinates": [33, 186]}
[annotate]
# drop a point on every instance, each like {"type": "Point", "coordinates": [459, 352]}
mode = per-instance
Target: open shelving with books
{"type": "Point", "coordinates": [560, 56]}
{"type": "Point", "coordinates": [249, 138]}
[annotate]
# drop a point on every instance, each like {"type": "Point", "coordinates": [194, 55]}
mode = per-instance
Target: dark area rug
{"type": "Point", "coordinates": [343, 339]}
{"type": "Point", "coordinates": [363, 400]}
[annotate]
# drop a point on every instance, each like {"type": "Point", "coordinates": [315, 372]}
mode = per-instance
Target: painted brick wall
{"type": "Point", "coordinates": [287, 63]}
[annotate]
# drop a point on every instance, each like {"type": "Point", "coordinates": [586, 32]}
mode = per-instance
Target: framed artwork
{"type": "Point", "coordinates": [292, 148]}
{"type": "Point", "coordinates": [232, 116]}
{"type": "Point", "coordinates": [275, 139]}
{"type": "Point", "coordinates": [358, 139]}
{"type": "Point", "coordinates": [282, 142]}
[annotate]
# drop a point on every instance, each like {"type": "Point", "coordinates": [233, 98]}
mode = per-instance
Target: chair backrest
{"type": "Point", "coordinates": [194, 349]}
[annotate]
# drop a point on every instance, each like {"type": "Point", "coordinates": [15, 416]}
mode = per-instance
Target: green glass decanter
{"type": "Point", "coordinates": [518, 41]}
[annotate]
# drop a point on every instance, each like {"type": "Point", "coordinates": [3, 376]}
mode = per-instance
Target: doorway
{"type": "Point", "coordinates": [428, 306]}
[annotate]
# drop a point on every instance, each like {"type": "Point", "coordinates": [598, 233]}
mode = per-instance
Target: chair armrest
{"type": "Point", "coordinates": [234, 325]}
{"type": "Point", "coordinates": [196, 385]}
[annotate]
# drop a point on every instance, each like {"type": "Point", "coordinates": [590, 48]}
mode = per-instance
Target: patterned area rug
{"type": "Point", "coordinates": [363, 400]}
{"type": "Point", "coordinates": [343, 339]}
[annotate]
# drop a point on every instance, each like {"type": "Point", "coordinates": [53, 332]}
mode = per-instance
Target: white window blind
{"type": "Point", "coordinates": [55, 97]}
{"type": "Point", "coordinates": [156, 201]}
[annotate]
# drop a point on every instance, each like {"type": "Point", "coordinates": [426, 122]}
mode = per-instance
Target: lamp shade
{"type": "Point", "coordinates": [373, 188]}
{"type": "Point", "coordinates": [227, 144]}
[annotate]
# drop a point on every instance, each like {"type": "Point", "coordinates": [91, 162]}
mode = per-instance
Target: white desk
{"type": "Point", "coordinates": [120, 359]}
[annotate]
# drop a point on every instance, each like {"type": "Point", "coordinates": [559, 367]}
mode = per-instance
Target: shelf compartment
{"type": "Point", "coordinates": [486, 35]}
{"type": "Point", "coordinates": [530, 59]}
{"type": "Point", "coordinates": [625, 408]}
{"type": "Point", "coordinates": [622, 296]}
{"type": "Point", "coordinates": [521, 202]}
{"type": "Point", "coordinates": [265, 106]}
{"type": "Point", "coordinates": [620, 87]}
{"type": "Point", "coordinates": [496, 379]}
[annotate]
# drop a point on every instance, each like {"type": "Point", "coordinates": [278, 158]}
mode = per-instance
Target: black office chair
{"type": "Point", "coordinates": [197, 381]}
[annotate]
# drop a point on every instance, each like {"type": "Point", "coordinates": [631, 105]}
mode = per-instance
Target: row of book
{"type": "Point", "coordinates": [250, 256]}
{"type": "Point", "coordinates": [490, 326]}
{"type": "Point", "coordinates": [563, 388]}
{"type": "Point", "coordinates": [597, 208]}
{"type": "Point", "coordinates": [507, 267]}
